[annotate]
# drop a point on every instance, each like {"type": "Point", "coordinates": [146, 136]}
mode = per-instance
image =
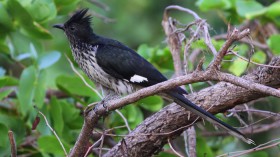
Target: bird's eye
{"type": "Point", "coordinates": [72, 28]}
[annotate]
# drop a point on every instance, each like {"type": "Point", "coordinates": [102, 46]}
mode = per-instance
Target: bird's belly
{"type": "Point", "coordinates": [96, 74]}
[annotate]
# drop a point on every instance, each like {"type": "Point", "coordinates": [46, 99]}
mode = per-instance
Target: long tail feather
{"type": "Point", "coordinates": [187, 104]}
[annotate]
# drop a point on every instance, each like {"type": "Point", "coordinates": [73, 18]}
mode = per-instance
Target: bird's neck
{"type": "Point", "coordinates": [83, 42]}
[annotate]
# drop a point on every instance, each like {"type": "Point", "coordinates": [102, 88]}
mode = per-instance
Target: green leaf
{"type": "Point", "coordinates": [8, 81]}
{"type": "Point", "coordinates": [238, 67]}
{"type": "Point", "coordinates": [5, 19]}
{"type": "Point", "coordinates": [48, 59]}
{"type": "Point", "coordinates": [24, 20]}
{"type": "Point", "coordinates": [273, 43]}
{"type": "Point", "coordinates": [273, 10]}
{"type": "Point", "coordinates": [4, 142]}
{"type": "Point", "coordinates": [26, 89]}
{"type": "Point", "coordinates": [133, 115]}
{"type": "Point", "coordinates": [249, 8]}
{"type": "Point", "coordinates": [151, 103]}
{"type": "Point", "coordinates": [66, 2]}
{"type": "Point", "coordinates": [206, 5]}
{"type": "Point", "coordinates": [40, 10]}
{"type": "Point", "coordinates": [259, 154]}
{"type": "Point", "coordinates": [259, 57]}
{"type": "Point", "coordinates": [40, 89]}
{"type": "Point", "coordinates": [49, 144]}
{"type": "Point", "coordinates": [33, 51]}
{"type": "Point", "coordinates": [56, 115]}
{"type": "Point", "coordinates": [203, 148]}
{"type": "Point", "coordinates": [71, 115]}
{"type": "Point", "coordinates": [14, 123]}
{"type": "Point", "coordinates": [5, 93]}
{"type": "Point", "coordinates": [4, 135]}
{"type": "Point", "coordinates": [144, 51]}
{"type": "Point", "coordinates": [74, 85]}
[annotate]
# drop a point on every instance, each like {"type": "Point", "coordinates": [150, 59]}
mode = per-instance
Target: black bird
{"type": "Point", "coordinates": [116, 67]}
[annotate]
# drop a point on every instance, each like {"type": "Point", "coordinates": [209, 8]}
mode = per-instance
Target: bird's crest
{"type": "Point", "coordinates": [80, 17]}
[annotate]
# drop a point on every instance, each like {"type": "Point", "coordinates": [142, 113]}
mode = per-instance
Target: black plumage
{"type": "Point", "coordinates": [117, 67]}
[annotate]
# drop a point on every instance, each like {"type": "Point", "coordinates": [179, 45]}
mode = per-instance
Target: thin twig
{"type": "Point", "coordinates": [12, 143]}
{"type": "Point", "coordinates": [207, 37]}
{"type": "Point", "coordinates": [257, 148]}
{"type": "Point", "coordinates": [101, 146]}
{"type": "Point", "coordinates": [257, 111]}
{"type": "Point", "coordinates": [259, 64]}
{"type": "Point", "coordinates": [233, 36]}
{"type": "Point", "coordinates": [101, 5]}
{"type": "Point", "coordinates": [93, 145]}
{"type": "Point", "coordinates": [177, 153]}
{"type": "Point", "coordinates": [124, 119]}
{"type": "Point", "coordinates": [53, 131]}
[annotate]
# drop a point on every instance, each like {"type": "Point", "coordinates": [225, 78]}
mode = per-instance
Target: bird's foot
{"type": "Point", "coordinates": [90, 107]}
{"type": "Point", "coordinates": [107, 98]}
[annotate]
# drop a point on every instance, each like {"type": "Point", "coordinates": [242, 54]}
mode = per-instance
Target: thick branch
{"type": "Point", "coordinates": [160, 126]}
{"type": "Point", "coordinates": [197, 76]}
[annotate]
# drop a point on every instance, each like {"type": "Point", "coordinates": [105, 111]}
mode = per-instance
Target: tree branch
{"type": "Point", "coordinates": [220, 97]}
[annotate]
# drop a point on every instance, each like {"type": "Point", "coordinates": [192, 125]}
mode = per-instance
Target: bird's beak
{"type": "Point", "coordinates": [59, 26]}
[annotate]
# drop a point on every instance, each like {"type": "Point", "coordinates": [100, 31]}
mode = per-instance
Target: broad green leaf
{"type": "Point", "coordinates": [26, 89]}
{"type": "Point", "coordinates": [40, 10]}
{"type": "Point", "coordinates": [48, 59]}
{"type": "Point", "coordinates": [5, 93]}
{"type": "Point", "coordinates": [152, 103]}
{"type": "Point", "coordinates": [4, 48]}
{"type": "Point", "coordinates": [133, 115]}
{"type": "Point", "coordinates": [4, 142]}
{"type": "Point", "coordinates": [238, 67]}
{"type": "Point", "coordinates": [56, 115]}
{"type": "Point", "coordinates": [163, 59]}
{"type": "Point", "coordinates": [144, 51]}
{"type": "Point", "coordinates": [8, 81]}
{"type": "Point", "coordinates": [66, 6]}
{"type": "Point", "coordinates": [203, 148]}
{"type": "Point", "coordinates": [260, 154]}
{"type": "Point", "coordinates": [23, 56]}
{"type": "Point", "coordinates": [273, 43]}
{"type": "Point", "coordinates": [259, 57]}
{"type": "Point", "coordinates": [66, 2]}
{"type": "Point", "coordinates": [23, 18]}
{"type": "Point", "coordinates": [3, 135]}
{"type": "Point", "coordinates": [5, 19]}
{"type": "Point", "coordinates": [71, 115]}
{"type": "Point", "coordinates": [40, 89]}
{"type": "Point", "coordinates": [273, 10]}
{"type": "Point", "coordinates": [20, 44]}
{"type": "Point", "coordinates": [49, 144]}
{"type": "Point", "coordinates": [249, 8]}
{"type": "Point", "coordinates": [33, 51]}
{"type": "Point", "coordinates": [14, 123]}
{"type": "Point", "coordinates": [74, 85]}
{"type": "Point", "coordinates": [206, 5]}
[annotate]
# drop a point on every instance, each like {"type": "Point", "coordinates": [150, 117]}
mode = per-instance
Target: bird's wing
{"type": "Point", "coordinates": [123, 63]}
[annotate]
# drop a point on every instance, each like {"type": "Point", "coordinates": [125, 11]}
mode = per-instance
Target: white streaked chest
{"type": "Point", "coordinates": [87, 62]}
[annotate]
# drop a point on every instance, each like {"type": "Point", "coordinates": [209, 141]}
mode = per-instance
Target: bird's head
{"type": "Point", "coordinates": [77, 27]}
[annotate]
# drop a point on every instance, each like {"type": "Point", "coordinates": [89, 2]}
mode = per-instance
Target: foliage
{"type": "Point", "coordinates": [33, 66]}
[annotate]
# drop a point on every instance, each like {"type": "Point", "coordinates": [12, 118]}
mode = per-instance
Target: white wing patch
{"type": "Point", "coordinates": [138, 79]}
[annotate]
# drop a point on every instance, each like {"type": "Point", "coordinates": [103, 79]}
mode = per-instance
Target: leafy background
{"type": "Point", "coordinates": [34, 69]}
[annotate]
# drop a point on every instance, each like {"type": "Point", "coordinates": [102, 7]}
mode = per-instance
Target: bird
{"type": "Point", "coordinates": [116, 67]}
